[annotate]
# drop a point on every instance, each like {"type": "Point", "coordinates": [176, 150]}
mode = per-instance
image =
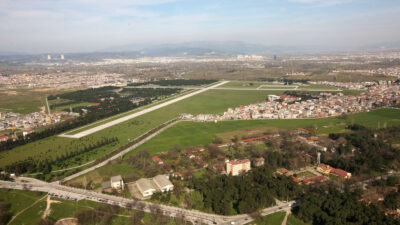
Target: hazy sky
{"type": "Point", "coordinates": [90, 25]}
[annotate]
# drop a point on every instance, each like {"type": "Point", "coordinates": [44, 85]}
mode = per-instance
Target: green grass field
{"type": "Point", "coordinates": [213, 101]}
{"type": "Point", "coordinates": [24, 100]}
{"type": "Point", "coordinates": [19, 199]}
{"type": "Point", "coordinates": [305, 175]}
{"type": "Point", "coordinates": [272, 219]}
{"type": "Point", "coordinates": [66, 107]}
{"type": "Point", "coordinates": [198, 133]}
{"type": "Point", "coordinates": [292, 220]}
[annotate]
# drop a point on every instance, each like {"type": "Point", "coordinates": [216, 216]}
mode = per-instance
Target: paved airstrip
{"type": "Point", "coordinates": [133, 115]}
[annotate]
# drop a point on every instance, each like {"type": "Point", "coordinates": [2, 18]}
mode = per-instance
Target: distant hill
{"type": "Point", "coordinates": [201, 48]}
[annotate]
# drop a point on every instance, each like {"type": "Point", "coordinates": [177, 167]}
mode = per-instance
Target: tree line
{"type": "Point", "coordinates": [152, 93]}
{"type": "Point", "coordinates": [178, 82]}
{"type": "Point", "coordinates": [286, 81]}
{"type": "Point", "coordinates": [45, 166]}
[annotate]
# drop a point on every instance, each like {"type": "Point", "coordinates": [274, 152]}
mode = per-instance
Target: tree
{"type": "Point", "coordinates": [136, 218]}
{"type": "Point", "coordinates": [218, 140]}
{"type": "Point", "coordinates": [5, 215]}
{"type": "Point", "coordinates": [391, 200]}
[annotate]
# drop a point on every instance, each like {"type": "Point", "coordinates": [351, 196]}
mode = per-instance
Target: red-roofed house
{"type": "Point", "coordinates": [157, 160]}
{"type": "Point", "coordinates": [26, 132]}
{"type": "Point", "coordinates": [295, 179]}
{"type": "Point", "coordinates": [3, 138]}
{"type": "Point", "coordinates": [341, 173]}
{"type": "Point", "coordinates": [282, 171]}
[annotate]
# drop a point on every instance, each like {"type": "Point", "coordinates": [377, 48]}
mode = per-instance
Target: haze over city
{"type": "Point", "coordinates": [88, 25]}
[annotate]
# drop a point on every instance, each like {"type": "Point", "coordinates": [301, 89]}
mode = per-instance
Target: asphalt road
{"type": "Point", "coordinates": [194, 216]}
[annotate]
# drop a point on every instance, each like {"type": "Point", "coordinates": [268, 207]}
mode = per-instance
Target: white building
{"type": "Point", "coordinates": [117, 182]}
{"type": "Point", "coordinates": [237, 167]}
{"type": "Point", "coordinates": [148, 186]}
{"type": "Point", "coordinates": [145, 187]}
{"type": "Point", "coordinates": [273, 97]}
{"type": "Point", "coordinates": [162, 183]}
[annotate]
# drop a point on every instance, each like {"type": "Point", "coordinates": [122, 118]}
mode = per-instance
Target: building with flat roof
{"type": "Point", "coordinates": [117, 182]}
{"type": "Point", "coordinates": [237, 167]}
{"type": "Point", "coordinates": [162, 183]}
{"type": "Point", "coordinates": [145, 186]}
{"type": "Point", "coordinates": [159, 183]}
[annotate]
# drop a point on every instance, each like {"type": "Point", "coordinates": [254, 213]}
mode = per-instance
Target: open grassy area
{"type": "Point", "coordinates": [25, 100]}
{"type": "Point", "coordinates": [213, 101]}
{"type": "Point", "coordinates": [19, 200]}
{"type": "Point", "coordinates": [68, 104]}
{"type": "Point", "coordinates": [65, 208]}
{"type": "Point", "coordinates": [31, 215]}
{"type": "Point", "coordinates": [197, 133]}
{"type": "Point", "coordinates": [292, 220]}
{"type": "Point", "coordinates": [272, 219]}
{"type": "Point", "coordinates": [305, 175]}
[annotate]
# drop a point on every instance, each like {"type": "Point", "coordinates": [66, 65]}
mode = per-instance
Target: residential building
{"type": "Point", "coordinates": [237, 167]}
{"type": "Point", "coordinates": [258, 162]}
{"type": "Point", "coordinates": [341, 173]}
{"type": "Point", "coordinates": [157, 160]}
{"type": "Point", "coordinates": [323, 168]}
{"type": "Point", "coordinates": [3, 138]}
{"type": "Point", "coordinates": [117, 182]}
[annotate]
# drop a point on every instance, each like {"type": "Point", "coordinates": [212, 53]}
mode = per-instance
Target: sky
{"type": "Point", "coordinates": [40, 26]}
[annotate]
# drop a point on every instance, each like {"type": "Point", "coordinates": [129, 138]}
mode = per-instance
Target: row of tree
{"type": "Point", "coordinates": [177, 82]}
{"type": "Point", "coordinates": [286, 81]}
{"type": "Point", "coordinates": [152, 93]}
{"type": "Point", "coordinates": [45, 166]}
